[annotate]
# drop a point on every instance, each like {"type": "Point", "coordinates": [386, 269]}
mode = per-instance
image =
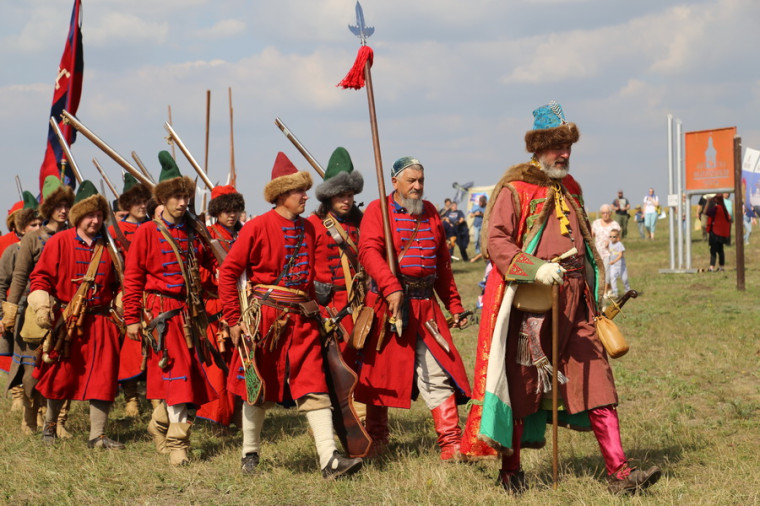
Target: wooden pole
{"type": "Point", "coordinates": [739, 214]}
{"type": "Point", "coordinates": [555, 385]}
{"type": "Point", "coordinates": [142, 167]}
{"type": "Point", "coordinates": [205, 158]}
{"type": "Point", "coordinates": [105, 178]}
{"type": "Point", "coordinates": [171, 124]}
{"type": "Point", "coordinates": [233, 173]}
{"type": "Point", "coordinates": [389, 250]}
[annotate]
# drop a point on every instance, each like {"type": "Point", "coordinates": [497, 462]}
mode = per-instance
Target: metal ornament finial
{"type": "Point", "coordinates": [361, 30]}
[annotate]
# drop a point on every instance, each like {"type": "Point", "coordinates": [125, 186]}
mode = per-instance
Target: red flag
{"type": "Point", "coordinates": [68, 90]}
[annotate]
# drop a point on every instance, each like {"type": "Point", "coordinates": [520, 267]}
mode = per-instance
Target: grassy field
{"type": "Point", "coordinates": [690, 403]}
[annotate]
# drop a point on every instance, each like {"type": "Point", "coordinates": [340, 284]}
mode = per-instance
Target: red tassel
{"type": "Point", "coordinates": [355, 77]}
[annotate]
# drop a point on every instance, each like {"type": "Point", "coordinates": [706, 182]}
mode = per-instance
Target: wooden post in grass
{"type": "Point", "coordinates": [738, 213]}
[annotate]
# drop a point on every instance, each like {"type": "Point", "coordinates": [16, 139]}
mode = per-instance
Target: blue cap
{"type": "Point", "coordinates": [403, 163]}
{"type": "Point", "coordinates": [550, 115]}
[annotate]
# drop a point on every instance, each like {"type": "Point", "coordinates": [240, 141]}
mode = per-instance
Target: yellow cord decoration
{"type": "Point", "coordinates": [560, 208]}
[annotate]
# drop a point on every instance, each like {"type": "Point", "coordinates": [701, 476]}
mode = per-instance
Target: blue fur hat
{"type": "Point", "coordinates": [550, 129]}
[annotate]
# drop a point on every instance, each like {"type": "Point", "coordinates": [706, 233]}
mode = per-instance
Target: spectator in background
{"type": "Point", "coordinates": [618, 268]}
{"type": "Point", "coordinates": [729, 204]}
{"type": "Point", "coordinates": [458, 233]}
{"type": "Point", "coordinates": [719, 230]}
{"type": "Point", "coordinates": [651, 212]}
{"type": "Point", "coordinates": [701, 216]}
{"type": "Point", "coordinates": [621, 206]}
{"type": "Point", "coordinates": [639, 216]}
{"type": "Point", "coordinates": [750, 219]}
{"type": "Point", "coordinates": [601, 229]}
{"type": "Point", "coordinates": [445, 209]}
{"type": "Point", "coordinates": [477, 212]}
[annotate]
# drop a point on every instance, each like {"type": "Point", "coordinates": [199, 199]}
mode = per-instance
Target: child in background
{"type": "Point", "coordinates": [617, 263]}
{"type": "Point", "coordinates": [640, 220]}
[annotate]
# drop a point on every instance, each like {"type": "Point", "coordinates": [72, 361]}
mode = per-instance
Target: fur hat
{"type": "Point", "coordinates": [23, 213]}
{"type": "Point", "coordinates": [133, 193]}
{"type": "Point", "coordinates": [285, 177]}
{"type": "Point", "coordinates": [54, 194]}
{"type": "Point", "coordinates": [340, 177]}
{"type": "Point", "coordinates": [171, 182]}
{"type": "Point", "coordinates": [87, 201]}
{"type": "Point", "coordinates": [225, 199]}
{"type": "Point", "coordinates": [550, 129]}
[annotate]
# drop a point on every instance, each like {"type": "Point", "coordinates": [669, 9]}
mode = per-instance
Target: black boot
{"type": "Point", "coordinates": [339, 466]}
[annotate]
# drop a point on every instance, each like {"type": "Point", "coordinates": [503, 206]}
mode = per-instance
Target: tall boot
{"type": "Point", "coordinates": [60, 428]}
{"type": "Point", "coordinates": [446, 420]}
{"type": "Point", "coordinates": [132, 407]}
{"type": "Point", "coordinates": [377, 428]}
{"type": "Point", "coordinates": [158, 427]}
{"type": "Point", "coordinates": [19, 399]}
{"type": "Point", "coordinates": [178, 442]}
{"type": "Point", "coordinates": [511, 475]}
{"type": "Point", "coordinates": [29, 421]}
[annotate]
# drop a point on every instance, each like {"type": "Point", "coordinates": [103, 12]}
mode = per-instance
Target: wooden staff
{"type": "Point", "coordinates": [389, 250]}
{"type": "Point", "coordinates": [19, 188]}
{"type": "Point", "coordinates": [105, 178]}
{"type": "Point", "coordinates": [205, 158]}
{"type": "Point", "coordinates": [140, 164]}
{"type": "Point", "coordinates": [174, 139]}
{"type": "Point", "coordinates": [555, 385]}
{"type": "Point", "coordinates": [300, 147]}
{"type": "Point", "coordinates": [170, 123]}
{"type": "Point", "coordinates": [233, 175]}
{"type": "Point", "coordinates": [66, 150]}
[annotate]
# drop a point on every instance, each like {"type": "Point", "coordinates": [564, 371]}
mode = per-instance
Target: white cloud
{"type": "Point", "coordinates": [222, 29]}
{"type": "Point", "coordinates": [126, 29]}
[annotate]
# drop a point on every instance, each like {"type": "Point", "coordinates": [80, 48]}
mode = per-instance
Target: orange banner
{"type": "Point", "coordinates": [710, 159]}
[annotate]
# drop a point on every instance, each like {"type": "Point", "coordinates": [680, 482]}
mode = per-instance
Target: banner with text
{"type": "Point", "coordinates": [710, 159]}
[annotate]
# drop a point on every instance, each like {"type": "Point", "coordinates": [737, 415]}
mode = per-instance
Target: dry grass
{"type": "Point", "coordinates": [690, 402]}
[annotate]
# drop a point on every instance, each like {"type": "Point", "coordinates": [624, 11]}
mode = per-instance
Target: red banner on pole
{"type": "Point", "coordinates": [66, 95]}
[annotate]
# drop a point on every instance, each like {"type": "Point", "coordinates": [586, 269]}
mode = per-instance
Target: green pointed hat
{"type": "Point", "coordinates": [129, 182]}
{"type": "Point", "coordinates": [340, 177]}
{"type": "Point", "coordinates": [85, 190]}
{"type": "Point", "coordinates": [30, 201]}
{"type": "Point", "coordinates": [54, 194]}
{"type": "Point", "coordinates": [171, 182]}
{"type": "Point", "coordinates": [49, 185]}
{"type": "Point", "coordinates": [169, 169]}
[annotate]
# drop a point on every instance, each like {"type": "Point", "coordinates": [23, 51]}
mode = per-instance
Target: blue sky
{"type": "Point", "coordinates": [455, 83]}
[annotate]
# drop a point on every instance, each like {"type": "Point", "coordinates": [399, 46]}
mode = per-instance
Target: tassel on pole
{"type": "Point", "coordinates": [355, 77]}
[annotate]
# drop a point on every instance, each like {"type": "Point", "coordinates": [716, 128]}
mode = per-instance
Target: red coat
{"type": "Point", "coordinates": [5, 241]}
{"type": "Point", "coordinates": [8, 239]}
{"type": "Point", "coordinates": [152, 268]}
{"type": "Point", "coordinates": [90, 370]}
{"type": "Point", "coordinates": [386, 377]}
{"type": "Point", "coordinates": [329, 269]}
{"type": "Point", "coordinates": [130, 355]}
{"type": "Point", "coordinates": [221, 409]}
{"type": "Point", "coordinates": [264, 246]}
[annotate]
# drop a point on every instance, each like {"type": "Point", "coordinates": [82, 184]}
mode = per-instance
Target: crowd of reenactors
{"type": "Point", "coordinates": [223, 317]}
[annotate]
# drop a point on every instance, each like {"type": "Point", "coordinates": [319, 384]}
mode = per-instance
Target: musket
{"type": "Point", "coordinates": [73, 121]}
{"type": "Point", "coordinates": [105, 178]}
{"type": "Point", "coordinates": [170, 122]}
{"type": "Point", "coordinates": [142, 166]}
{"type": "Point", "coordinates": [117, 229]}
{"type": "Point", "coordinates": [174, 139]}
{"type": "Point", "coordinates": [113, 250]}
{"type": "Point", "coordinates": [66, 150]}
{"type": "Point", "coordinates": [300, 147]}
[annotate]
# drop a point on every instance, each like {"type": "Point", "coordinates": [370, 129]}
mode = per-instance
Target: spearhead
{"type": "Point", "coordinates": [361, 30]}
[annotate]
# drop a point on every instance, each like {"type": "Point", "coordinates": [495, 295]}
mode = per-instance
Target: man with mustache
{"type": "Point", "coordinates": [534, 216]}
{"type": "Point", "coordinates": [419, 346]}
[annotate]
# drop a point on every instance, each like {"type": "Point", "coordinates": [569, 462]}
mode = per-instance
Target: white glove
{"type": "Point", "coordinates": [550, 273]}
{"type": "Point", "coordinates": [39, 302]}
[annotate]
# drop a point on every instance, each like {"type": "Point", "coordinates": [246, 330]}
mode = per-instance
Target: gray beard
{"type": "Point", "coordinates": [554, 172]}
{"type": "Point", "coordinates": [412, 206]}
